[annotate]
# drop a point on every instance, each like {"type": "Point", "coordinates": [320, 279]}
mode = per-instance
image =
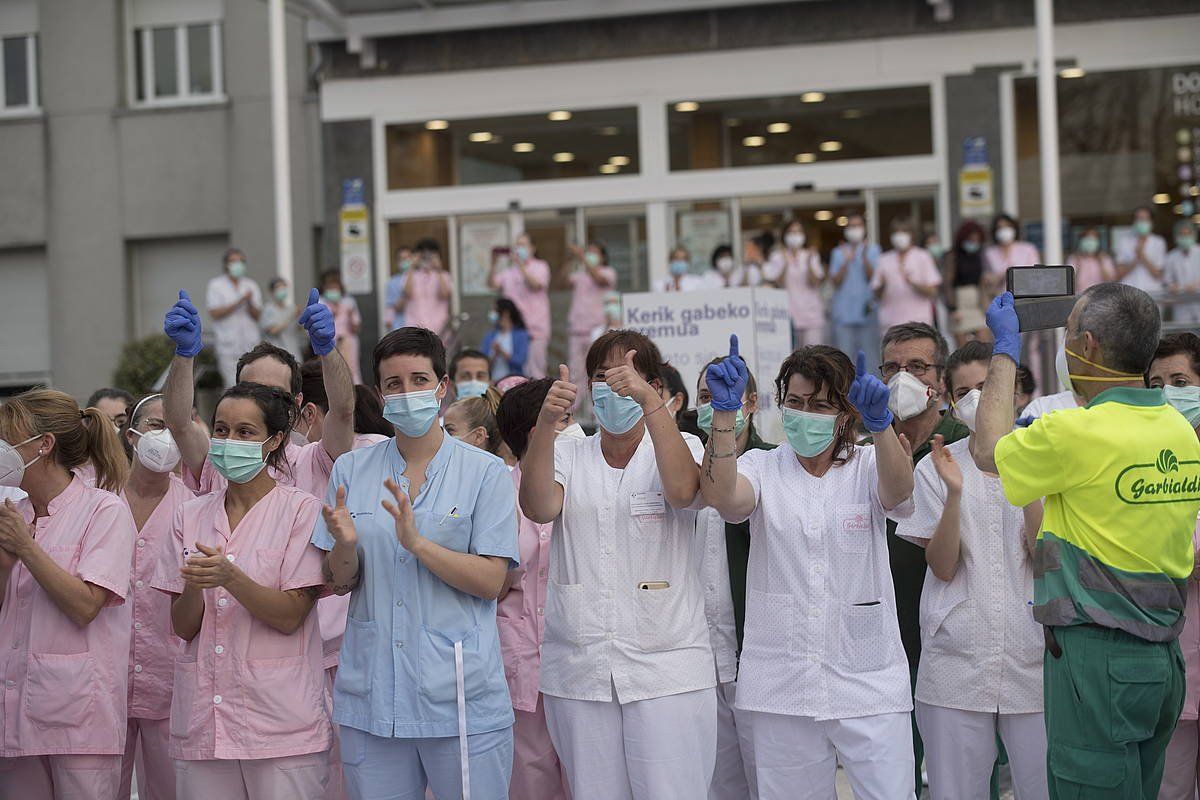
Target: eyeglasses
{"type": "Point", "coordinates": [917, 368]}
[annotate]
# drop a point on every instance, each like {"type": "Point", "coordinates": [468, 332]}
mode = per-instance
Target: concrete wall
{"type": "Point", "coordinates": [93, 177]}
{"type": "Point", "coordinates": [346, 153]}
{"type": "Point", "coordinates": [973, 109]}
{"type": "Point", "coordinates": [717, 29]}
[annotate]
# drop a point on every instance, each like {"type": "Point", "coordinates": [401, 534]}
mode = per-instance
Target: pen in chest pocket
{"type": "Point", "coordinates": [451, 514]}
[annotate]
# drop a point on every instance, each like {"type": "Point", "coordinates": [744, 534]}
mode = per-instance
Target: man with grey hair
{"type": "Point", "coordinates": [914, 360]}
{"type": "Point", "coordinates": [1121, 478]}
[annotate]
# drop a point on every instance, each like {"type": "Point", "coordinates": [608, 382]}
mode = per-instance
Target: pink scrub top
{"type": "Point", "coordinates": [242, 688]}
{"type": "Point", "coordinates": [804, 301]}
{"type": "Point", "coordinates": [426, 308]}
{"type": "Point", "coordinates": [154, 645]}
{"type": "Point", "coordinates": [1020, 254]}
{"type": "Point", "coordinates": [1091, 269]}
{"type": "Point", "coordinates": [310, 466]}
{"type": "Point", "coordinates": [1189, 640]}
{"type": "Point", "coordinates": [64, 686]}
{"type": "Point", "coordinates": [899, 301]}
{"type": "Point", "coordinates": [587, 300]}
{"type": "Point", "coordinates": [533, 305]}
{"type": "Point", "coordinates": [520, 617]}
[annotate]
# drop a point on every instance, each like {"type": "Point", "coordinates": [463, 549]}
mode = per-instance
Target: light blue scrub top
{"type": "Point", "coordinates": [395, 287]}
{"type": "Point", "coordinates": [851, 299]}
{"type": "Point", "coordinates": [396, 675]}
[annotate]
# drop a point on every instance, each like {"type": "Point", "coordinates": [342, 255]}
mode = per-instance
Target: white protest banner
{"type": "Point", "coordinates": [692, 328]}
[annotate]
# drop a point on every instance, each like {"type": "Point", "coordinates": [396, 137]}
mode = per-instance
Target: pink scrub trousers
{"type": "Point", "coordinates": [146, 742]}
{"type": "Point", "coordinates": [537, 772]}
{"type": "Point", "coordinates": [59, 777]}
{"type": "Point", "coordinates": [291, 777]}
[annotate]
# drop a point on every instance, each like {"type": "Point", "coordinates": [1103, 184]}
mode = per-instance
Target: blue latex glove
{"type": "Point", "coordinates": [182, 324]}
{"type": "Point", "coordinates": [727, 379]}
{"type": "Point", "coordinates": [1025, 422]}
{"type": "Point", "coordinates": [1002, 321]}
{"type": "Point", "coordinates": [869, 396]}
{"type": "Point", "coordinates": [317, 321]}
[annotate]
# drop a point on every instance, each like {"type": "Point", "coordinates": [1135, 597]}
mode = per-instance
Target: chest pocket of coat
{"type": "Point", "coordinates": [452, 533]}
{"type": "Point", "coordinates": [854, 528]}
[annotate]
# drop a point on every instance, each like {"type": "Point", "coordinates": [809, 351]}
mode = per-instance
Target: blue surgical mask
{"type": "Point", "coordinates": [1143, 227]}
{"type": "Point", "coordinates": [970, 246]}
{"type": "Point", "coordinates": [238, 461]}
{"type": "Point", "coordinates": [522, 253]}
{"type": "Point", "coordinates": [809, 434]}
{"type": "Point", "coordinates": [679, 267]}
{"type": "Point", "coordinates": [237, 269]}
{"type": "Point", "coordinates": [1088, 244]}
{"type": "Point", "coordinates": [1186, 400]}
{"type": "Point", "coordinates": [704, 415]}
{"type": "Point", "coordinates": [935, 250]}
{"type": "Point", "coordinates": [592, 258]}
{"type": "Point", "coordinates": [616, 414]}
{"type": "Point", "coordinates": [412, 413]}
{"type": "Point", "coordinates": [471, 388]}
{"type": "Point", "coordinates": [493, 316]}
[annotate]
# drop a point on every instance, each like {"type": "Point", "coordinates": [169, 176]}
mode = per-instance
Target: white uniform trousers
{"type": "Point", "coordinates": [733, 776]}
{"type": "Point", "coordinates": [960, 749]}
{"type": "Point", "coordinates": [796, 758]}
{"type": "Point", "coordinates": [662, 748]}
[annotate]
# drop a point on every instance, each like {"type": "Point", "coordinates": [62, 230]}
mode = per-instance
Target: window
{"type": "Point", "coordinates": [177, 63]}
{"type": "Point", "coordinates": [18, 73]}
{"type": "Point", "coordinates": [801, 128]}
{"type": "Point", "coordinates": [1126, 138]}
{"type": "Point", "coordinates": [559, 143]}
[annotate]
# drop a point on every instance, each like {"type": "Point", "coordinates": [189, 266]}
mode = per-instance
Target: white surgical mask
{"type": "Point", "coordinates": [573, 431]}
{"type": "Point", "coordinates": [156, 450]}
{"type": "Point", "coordinates": [908, 397]}
{"type": "Point", "coordinates": [794, 240]}
{"type": "Point", "coordinates": [12, 466]}
{"type": "Point", "coordinates": [1005, 235]}
{"type": "Point", "coordinates": [855, 234]}
{"type": "Point", "coordinates": [725, 265]}
{"type": "Point", "coordinates": [966, 407]}
{"type": "Point", "coordinates": [901, 240]}
{"type": "Point", "coordinates": [1060, 368]}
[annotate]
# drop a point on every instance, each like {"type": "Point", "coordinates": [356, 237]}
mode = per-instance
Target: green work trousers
{"type": "Point", "coordinates": [1112, 701]}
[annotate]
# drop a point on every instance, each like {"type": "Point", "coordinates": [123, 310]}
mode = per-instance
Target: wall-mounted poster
{"type": "Point", "coordinates": [476, 242]}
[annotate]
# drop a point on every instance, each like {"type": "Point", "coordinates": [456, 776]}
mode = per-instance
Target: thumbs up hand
{"type": "Point", "coordinates": [625, 380]}
{"type": "Point", "coordinates": [182, 324]}
{"type": "Point", "coordinates": [559, 400]}
{"type": "Point", "coordinates": [869, 396]}
{"type": "Point", "coordinates": [727, 380]}
{"type": "Point", "coordinates": [317, 321]}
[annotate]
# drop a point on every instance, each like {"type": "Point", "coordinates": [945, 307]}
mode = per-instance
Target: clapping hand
{"type": "Point", "coordinates": [401, 511]}
{"type": "Point", "coordinates": [182, 324]}
{"type": "Point", "coordinates": [210, 570]}
{"type": "Point", "coordinates": [317, 321]}
{"type": "Point", "coordinates": [338, 521]}
{"type": "Point", "coordinates": [947, 468]}
{"type": "Point", "coordinates": [14, 534]}
{"type": "Point", "coordinates": [869, 396]}
{"type": "Point", "coordinates": [727, 379]}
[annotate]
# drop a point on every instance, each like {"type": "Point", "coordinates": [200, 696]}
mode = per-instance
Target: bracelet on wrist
{"type": "Point", "coordinates": [723, 430]}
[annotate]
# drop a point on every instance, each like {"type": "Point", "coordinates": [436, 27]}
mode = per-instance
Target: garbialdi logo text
{"type": "Point", "coordinates": [1167, 480]}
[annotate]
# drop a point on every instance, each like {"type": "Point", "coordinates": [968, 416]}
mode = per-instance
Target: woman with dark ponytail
{"type": "Point", "coordinates": [63, 618]}
{"type": "Point", "coordinates": [248, 716]}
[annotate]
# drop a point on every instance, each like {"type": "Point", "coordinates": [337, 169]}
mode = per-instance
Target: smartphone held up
{"type": "Point", "coordinates": [1043, 295]}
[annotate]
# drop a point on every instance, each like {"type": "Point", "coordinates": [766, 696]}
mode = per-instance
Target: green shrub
{"type": "Point", "coordinates": [143, 361]}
